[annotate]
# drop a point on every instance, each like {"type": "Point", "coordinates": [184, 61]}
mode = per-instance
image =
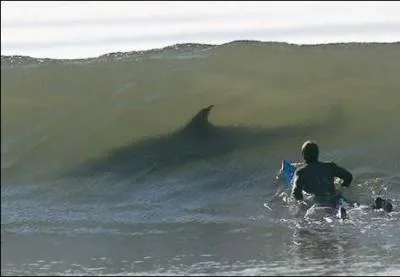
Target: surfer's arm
{"type": "Point", "coordinates": [343, 174]}
{"type": "Point", "coordinates": [297, 191]}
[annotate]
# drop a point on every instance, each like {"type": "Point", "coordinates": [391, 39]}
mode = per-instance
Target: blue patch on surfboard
{"type": "Point", "coordinates": [288, 170]}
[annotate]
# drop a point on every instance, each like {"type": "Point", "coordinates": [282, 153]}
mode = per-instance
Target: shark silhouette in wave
{"type": "Point", "coordinates": [198, 139]}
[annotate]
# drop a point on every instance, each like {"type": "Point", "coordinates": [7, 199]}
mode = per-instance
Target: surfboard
{"type": "Point", "coordinates": [288, 170]}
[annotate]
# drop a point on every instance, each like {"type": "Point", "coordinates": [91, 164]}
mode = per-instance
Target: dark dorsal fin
{"type": "Point", "coordinates": [200, 120]}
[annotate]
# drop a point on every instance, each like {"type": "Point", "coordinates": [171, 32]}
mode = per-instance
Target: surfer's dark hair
{"type": "Point", "coordinates": [310, 151]}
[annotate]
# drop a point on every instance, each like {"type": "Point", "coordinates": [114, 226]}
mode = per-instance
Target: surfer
{"type": "Point", "coordinates": [317, 178]}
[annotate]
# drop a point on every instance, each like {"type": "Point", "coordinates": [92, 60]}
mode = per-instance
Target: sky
{"type": "Point", "coordinates": [82, 29]}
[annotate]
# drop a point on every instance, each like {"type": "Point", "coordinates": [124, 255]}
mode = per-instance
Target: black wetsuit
{"type": "Point", "coordinates": [317, 178]}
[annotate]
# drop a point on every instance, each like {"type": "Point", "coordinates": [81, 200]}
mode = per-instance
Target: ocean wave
{"type": "Point", "coordinates": [127, 112]}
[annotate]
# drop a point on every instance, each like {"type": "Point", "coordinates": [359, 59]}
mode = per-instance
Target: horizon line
{"type": "Point", "coordinates": [203, 44]}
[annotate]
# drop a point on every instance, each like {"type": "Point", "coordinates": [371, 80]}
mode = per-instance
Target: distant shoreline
{"type": "Point", "coordinates": [180, 46]}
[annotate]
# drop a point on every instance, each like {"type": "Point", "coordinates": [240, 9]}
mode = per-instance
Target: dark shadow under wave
{"type": "Point", "coordinates": [199, 140]}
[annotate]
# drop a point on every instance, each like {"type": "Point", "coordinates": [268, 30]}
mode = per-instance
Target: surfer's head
{"type": "Point", "coordinates": [310, 151]}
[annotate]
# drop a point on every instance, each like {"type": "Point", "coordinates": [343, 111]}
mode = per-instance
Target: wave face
{"type": "Point", "coordinates": [127, 144]}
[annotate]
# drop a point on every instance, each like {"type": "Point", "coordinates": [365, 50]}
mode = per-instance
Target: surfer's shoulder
{"type": "Point", "coordinates": [300, 168]}
{"type": "Point", "coordinates": [332, 165]}
{"type": "Point", "coordinates": [328, 163]}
